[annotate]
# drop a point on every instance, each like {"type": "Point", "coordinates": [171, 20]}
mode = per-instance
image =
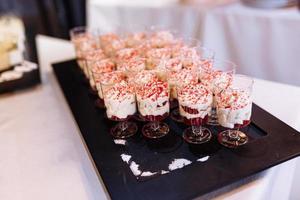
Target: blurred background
{"type": "Point", "coordinates": [261, 36]}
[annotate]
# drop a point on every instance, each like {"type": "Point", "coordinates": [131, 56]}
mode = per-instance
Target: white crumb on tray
{"type": "Point", "coordinates": [203, 159]}
{"type": "Point", "coordinates": [22, 68]}
{"type": "Point", "coordinates": [164, 172]}
{"type": "Point", "coordinates": [135, 168]}
{"type": "Point", "coordinates": [179, 163]}
{"type": "Point", "coordinates": [120, 141]}
{"type": "Point", "coordinates": [148, 173]}
{"type": "Point", "coordinates": [11, 75]}
{"type": "Point", "coordinates": [125, 158]}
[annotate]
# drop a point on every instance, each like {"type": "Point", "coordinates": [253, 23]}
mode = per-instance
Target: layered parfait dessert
{"type": "Point", "coordinates": [153, 100]}
{"type": "Point", "coordinates": [195, 102]}
{"type": "Point", "coordinates": [92, 57]}
{"type": "Point", "coordinates": [179, 78]}
{"type": "Point", "coordinates": [234, 108]}
{"type": "Point", "coordinates": [124, 55]}
{"type": "Point", "coordinates": [135, 39]}
{"type": "Point", "coordinates": [119, 100]}
{"type": "Point", "coordinates": [108, 78]}
{"type": "Point", "coordinates": [111, 43]}
{"type": "Point", "coordinates": [98, 68]}
{"type": "Point", "coordinates": [154, 56]}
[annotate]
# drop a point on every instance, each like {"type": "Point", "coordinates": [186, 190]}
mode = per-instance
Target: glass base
{"type": "Point", "coordinates": [212, 121]}
{"type": "Point", "coordinates": [175, 115]}
{"type": "Point", "coordinates": [204, 135]}
{"type": "Point", "coordinates": [99, 103]}
{"type": "Point", "coordinates": [124, 130]}
{"type": "Point", "coordinates": [155, 130]}
{"type": "Point", "coordinates": [232, 138]}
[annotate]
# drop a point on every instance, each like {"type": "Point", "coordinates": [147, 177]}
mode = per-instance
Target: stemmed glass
{"type": "Point", "coordinates": [120, 103]}
{"type": "Point", "coordinates": [98, 68]}
{"type": "Point", "coordinates": [79, 36]}
{"type": "Point", "coordinates": [153, 105]}
{"type": "Point", "coordinates": [195, 102]}
{"type": "Point", "coordinates": [93, 56]}
{"type": "Point", "coordinates": [178, 79]}
{"type": "Point", "coordinates": [234, 106]}
{"type": "Point", "coordinates": [216, 77]}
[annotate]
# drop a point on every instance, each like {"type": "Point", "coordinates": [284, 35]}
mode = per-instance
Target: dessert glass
{"type": "Point", "coordinates": [234, 106]}
{"type": "Point", "coordinates": [92, 57]}
{"type": "Point", "coordinates": [80, 35]}
{"type": "Point", "coordinates": [98, 68]}
{"type": "Point", "coordinates": [195, 102]}
{"type": "Point", "coordinates": [120, 103]}
{"type": "Point", "coordinates": [217, 78]}
{"type": "Point", "coordinates": [178, 79]}
{"type": "Point", "coordinates": [153, 106]}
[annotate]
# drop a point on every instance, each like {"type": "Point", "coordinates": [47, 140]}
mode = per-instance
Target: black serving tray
{"type": "Point", "coordinates": [272, 142]}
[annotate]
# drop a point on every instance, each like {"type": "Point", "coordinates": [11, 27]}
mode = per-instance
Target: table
{"type": "Point", "coordinates": [264, 43]}
{"type": "Point", "coordinates": [44, 157]}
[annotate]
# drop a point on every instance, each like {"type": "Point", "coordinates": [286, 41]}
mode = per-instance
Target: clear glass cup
{"type": "Point", "coordinates": [99, 67]}
{"type": "Point", "coordinates": [78, 36]}
{"type": "Point", "coordinates": [84, 48]}
{"type": "Point", "coordinates": [178, 79]}
{"type": "Point", "coordinates": [134, 65]}
{"type": "Point", "coordinates": [234, 108]}
{"type": "Point", "coordinates": [217, 78]}
{"type": "Point", "coordinates": [153, 106]}
{"type": "Point", "coordinates": [195, 102]}
{"type": "Point", "coordinates": [91, 57]}
{"type": "Point", "coordinates": [120, 103]}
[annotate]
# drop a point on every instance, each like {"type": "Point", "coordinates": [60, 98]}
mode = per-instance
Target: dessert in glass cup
{"type": "Point", "coordinates": [177, 79]}
{"type": "Point", "coordinates": [153, 106]}
{"type": "Point", "coordinates": [234, 108]}
{"type": "Point", "coordinates": [133, 66]}
{"type": "Point", "coordinates": [124, 55]}
{"type": "Point", "coordinates": [91, 57]}
{"type": "Point", "coordinates": [154, 56]}
{"type": "Point", "coordinates": [97, 69]}
{"type": "Point", "coordinates": [217, 78]}
{"type": "Point", "coordinates": [195, 102]}
{"type": "Point", "coordinates": [120, 103]}
{"type": "Point", "coordinates": [83, 39]}
{"type": "Point", "coordinates": [111, 43]}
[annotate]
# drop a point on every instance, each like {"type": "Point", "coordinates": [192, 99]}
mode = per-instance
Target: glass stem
{"type": "Point", "coordinates": [197, 130]}
{"type": "Point", "coordinates": [123, 125]}
{"type": "Point", "coordinates": [155, 126]}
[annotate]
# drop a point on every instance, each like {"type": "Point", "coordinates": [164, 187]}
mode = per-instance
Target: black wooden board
{"type": "Point", "coordinates": [272, 142]}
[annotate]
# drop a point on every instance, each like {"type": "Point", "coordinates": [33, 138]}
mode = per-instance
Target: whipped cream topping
{"type": "Point", "coordinates": [107, 78]}
{"type": "Point", "coordinates": [215, 78]}
{"type": "Point", "coordinates": [180, 78]}
{"type": "Point", "coordinates": [143, 77]}
{"type": "Point", "coordinates": [105, 65]}
{"type": "Point", "coordinates": [153, 90]}
{"type": "Point", "coordinates": [126, 54]}
{"type": "Point", "coordinates": [95, 55]}
{"type": "Point", "coordinates": [153, 98]}
{"type": "Point", "coordinates": [161, 39]}
{"type": "Point", "coordinates": [186, 53]}
{"type": "Point", "coordinates": [233, 107]}
{"type": "Point", "coordinates": [135, 39]}
{"type": "Point", "coordinates": [196, 97]}
{"type": "Point", "coordinates": [119, 100]}
{"type": "Point", "coordinates": [172, 64]}
{"type": "Point", "coordinates": [111, 43]}
{"type": "Point", "coordinates": [159, 53]}
{"type": "Point", "coordinates": [135, 64]}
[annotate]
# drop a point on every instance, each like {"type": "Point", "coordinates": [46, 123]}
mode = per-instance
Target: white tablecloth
{"type": "Point", "coordinates": [264, 43]}
{"type": "Point", "coordinates": [43, 156]}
